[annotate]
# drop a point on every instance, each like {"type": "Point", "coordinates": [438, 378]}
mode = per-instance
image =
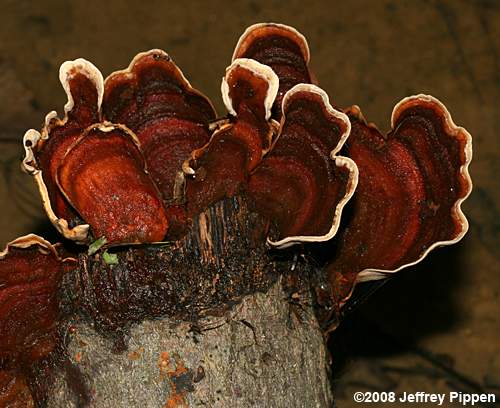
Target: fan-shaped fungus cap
{"type": "Point", "coordinates": [170, 118]}
{"type": "Point", "coordinates": [294, 181]}
{"type": "Point", "coordinates": [282, 48]}
{"type": "Point", "coordinates": [220, 168]}
{"type": "Point", "coordinates": [30, 272]}
{"type": "Point", "coordinates": [103, 177]}
{"type": "Point", "coordinates": [302, 184]}
{"type": "Point", "coordinates": [83, 84]}
{"type": "Point", "coordinates": [411, 186]}
{"type": "Point", "coordinates": [411, 182]}
{"type": "Point", "coordinates": [249, 86]}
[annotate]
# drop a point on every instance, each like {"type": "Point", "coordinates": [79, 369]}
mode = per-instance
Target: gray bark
{"type": "Point", "coordinates": [215, 319]}
{"type": "Point", "coordinates": [259, 354]}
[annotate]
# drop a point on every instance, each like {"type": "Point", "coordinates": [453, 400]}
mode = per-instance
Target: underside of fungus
{"type": "Point", "coordinates": [139, 160]}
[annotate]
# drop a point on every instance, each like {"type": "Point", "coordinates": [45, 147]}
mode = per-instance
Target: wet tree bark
{"type": "Point", "coordinates": [210, 321]}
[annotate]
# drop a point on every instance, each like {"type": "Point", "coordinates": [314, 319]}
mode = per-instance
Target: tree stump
{"type": "Point", "coordinates": [257, 355]}
{"type": "Point", "coordinates": [215, 319]}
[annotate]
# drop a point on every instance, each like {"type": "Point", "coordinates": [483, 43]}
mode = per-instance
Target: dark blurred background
{"type": "Point", "coordinates": [433, 328]}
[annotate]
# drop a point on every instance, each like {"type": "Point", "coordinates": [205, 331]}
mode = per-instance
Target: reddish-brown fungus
{"type": "Point", "coordinates": [301, 184]}
{"type": "Point", "coordinates": [30, 273]}
{"type": "Point", "coordinates": [282, 48]}
{"type": "Point", "coordinates": [44, 151]}
{"type": "Point", "coordinates": [411, 182]}
{"type": "Point", "coordinates": [221, 168]}
{"type": "Point", "coordinates": [170, 118]}
{"type": "Point", "coordinates": [103, 176]}
{"type": "Point", "coordinates": [411, 185]}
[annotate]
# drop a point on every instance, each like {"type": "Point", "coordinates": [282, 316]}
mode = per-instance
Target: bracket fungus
{"type": "Point", "coordinates": [282, 48]}
{"type": "Point", "coordinates": [411, 186]}
{"type": "Point", "coordinates": [411, 183]}
{"type": "Point", "coordinates": [82, 82]}
{"type": "Point", "coordinates": [103, 176]}
{"type": "Point", "coordinates": [31, 271]}
{"type": "Point", "coordinates": [170, 118]}
{"type": "Point", "coordinates": [142, 158]}
{"type": "Point", "coordinates": [302, 184]}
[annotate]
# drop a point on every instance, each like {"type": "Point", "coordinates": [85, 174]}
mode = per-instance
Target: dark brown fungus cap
{"type": "Point", "coordinates": [30, 272]}
{"type": "Point", "coordinates": [301, 184]}
{"type": "Point", "coordinates": [411, 185]}
{"type": "Point", "coordinates": [83, 84]}
{"type": "Point", "coordinates": [170, 118]}
{"type": "Point", "coordinates": [282, 48]}
{"type": "Point", "coordinates": [103, 176]}
{"type": "Point", "coordinates": [221, 168]}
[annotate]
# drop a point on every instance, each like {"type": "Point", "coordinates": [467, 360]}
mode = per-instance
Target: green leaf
{"type": "Point", "coordinates": [110, 259]}
{"type": "Point", "coordinates": [96, 245]}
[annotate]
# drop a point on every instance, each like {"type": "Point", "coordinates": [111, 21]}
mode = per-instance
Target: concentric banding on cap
{"type": "Point", "coordinates": [256, 29]}
{"type": "Point", "coordinates": [454, 132]}
{"type": "Point", "coordinates": [297, 133]}
{"type": "Point", "coordinates": [34, 141]}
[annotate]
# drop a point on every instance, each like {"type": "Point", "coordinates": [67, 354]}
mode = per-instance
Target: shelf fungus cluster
{"type": "Point", "coordinates": [179, 212]}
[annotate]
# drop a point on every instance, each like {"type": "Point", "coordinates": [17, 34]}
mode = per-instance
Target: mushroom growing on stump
{"type": "Point", "coordinates": [82, 82]}
{"type": "Point", "coordinates": [31, 270]}
{"type": "Point", "coordinates": [222, 167]}
{"type": "Point", "coordinates": [411, 185]}
{"type": "Point", "coordinates": [282, 48]}
{"type": "Point", "coordinates": [302, 184]}
{"type": "Point", "coordinates": [192, 230]}
{"type": "Point", "coordinates": [170, 118]}
{"type": "Point", "coordinates": [103, 177]}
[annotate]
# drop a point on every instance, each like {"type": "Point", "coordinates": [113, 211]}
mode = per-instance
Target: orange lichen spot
{"type": "Point", "coordinates": [176, 401]}
{"type": "Point", "coordinates": [78, 357]}
{"type": "Point", "coordinates": [164, 364]}
{"type": "Point", "coordinates": [179, 377]}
